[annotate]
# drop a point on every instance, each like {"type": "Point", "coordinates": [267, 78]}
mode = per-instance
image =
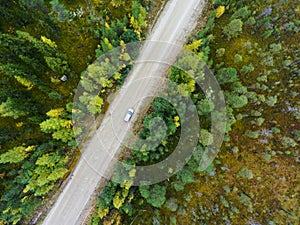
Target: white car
{"type": "Point", "coordinates": [128, 115]}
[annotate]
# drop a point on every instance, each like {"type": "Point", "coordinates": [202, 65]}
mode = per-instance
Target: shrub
{"type": "Point", "coordinates": [220, 52]}
{"type": "Point", "coordinates": [238, 58]}
{"type": "Point", "coordinates": [289, 142]}
{"type": "Point", "coordinates": [271, 100]}
{"type": "Point", "coordinates": [246, 173]}
{"type": "Point", "coordinates": [171, 204]}
{"type": "Point", "coordinates": [252, 134]}
{"type": "Point", "coordinates": [275, 48]}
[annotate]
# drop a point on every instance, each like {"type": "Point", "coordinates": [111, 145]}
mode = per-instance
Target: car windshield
{"type": "Point", "coordinates": [128, 115]}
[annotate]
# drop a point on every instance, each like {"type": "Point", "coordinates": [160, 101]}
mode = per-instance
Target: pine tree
{"type": "Point", "coordinates": [15, 155]}
{"type": "Point", "coordinates": [14, 107]}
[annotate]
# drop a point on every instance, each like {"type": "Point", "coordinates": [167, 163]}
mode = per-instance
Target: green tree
{"type": "Point", "coordinates": [205, 137]}
{"type": "Point", "coordinates": [186, 176]}
{"type": "Point", "coordinates": [57, 64]}
{"type": "Point", "coordinates": [247, 69]}
{"type": "Point", "coordinates": [50, 168]}
{"type": "Point", "coordinates": [241, 13]}
{"type": "Point", "coordinates": [236, 101]}
{"type": "Point", "coordinates": [205, 106]}
{"type": "Point", "coordinates": [19, 72]}
{"type": "Point", "coordinates": [21, 13]}
{"type": "Point", "coordinates": [129, 36]}
{"type": "Point", "coordinates": [138, 19]}
{"type": "Point", "coordinates": [33, 3]}
{"type": "Point", "coordinates": [60, 10]}
{"type": "Point", "coordinates": [233, 29]}
{"type": "Point", "coordinates": [95, 104]}
{"type": "Point", "coordinates": [43, 46]}
{"type": "Point", "coordinates": [227, 75]}
{"type": "Point", "coordinates": [14, 108]}
{"type": "Point", "coordinates": [154, 195]}
{"type": "Point", "coordinates": [29, 58]}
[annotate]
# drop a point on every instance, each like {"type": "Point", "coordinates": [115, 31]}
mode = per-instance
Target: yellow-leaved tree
{"type": "Point", "coordinates": [194, 45]}
{"type": "Point", "coordinates": [48, 41]}
{"type": "Point", "coordinates": [59, 125]}
{"type": "Point", "coordinates": [220, 11]}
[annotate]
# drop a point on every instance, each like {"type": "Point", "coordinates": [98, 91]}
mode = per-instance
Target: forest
{"type": "Point", "coordinates": [252, 48]}
{"type": "Point", "coordinates": [40, 42]}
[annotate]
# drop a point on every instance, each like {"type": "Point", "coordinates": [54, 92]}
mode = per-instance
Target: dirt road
{"type": "Point", "coordinates": [176, 20]}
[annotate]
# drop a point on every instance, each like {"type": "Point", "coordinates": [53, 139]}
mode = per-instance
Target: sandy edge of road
{"type": "Point", "coordinates": [158, 33]}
